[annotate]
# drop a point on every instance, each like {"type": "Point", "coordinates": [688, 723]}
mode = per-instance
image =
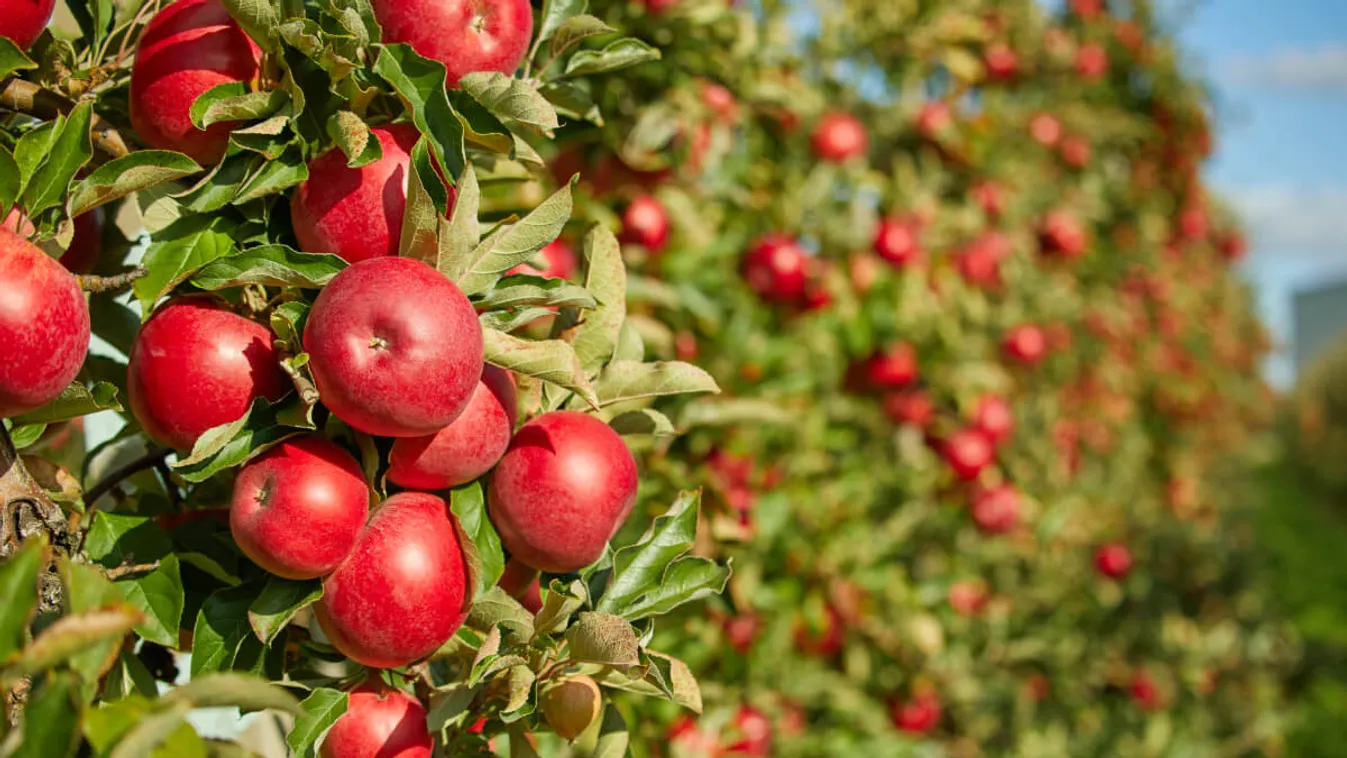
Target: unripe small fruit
{"type": "Point", "coordinates": [1076, 152]}
{"type": "Point", "coordinates": [187, 48]}
{"type": "Point", "coordinates": [465, 35]}
{"type": "Point", "coordinates": [562, 491]}
{"type": "Point", "coordinates": [196, 365]}
{"type": "Point", "coordinates": [44, 327]}
{"type": "Point", "coordinates": [646, 223]}
{"type": "Point", "coordinates": [298, 508]}
{"type": "Point", "coordinates": [465, 449]}
{"type": "Point", "coordinates": [839, 137]}
{"type": "Point", "coordinates": [1113, 560]}
{"type": "Point", "coordinates": [379, 721]}
{"type": "Point", "coordinates": [775, 268]}
{"type": "Point", "coordinates": [570, 706]}
{"type": "Point", "coordinates": [23, 20]}
{"type": "Point", "coordinates": [395, 347]}
{"type": "Point", "coordinates": [742, 631]}
{"type": "Point", "coordinates": [968, 452]}
{"type": "Point", "coordinates": [1025, 344]}
{"type": "Point", "coordinates": [997, 510]}
{"type": "Point", "coordinates": [896, 242]}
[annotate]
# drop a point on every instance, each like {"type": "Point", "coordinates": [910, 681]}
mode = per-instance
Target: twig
{"type": "Point", "coordinates": [26, 97]}
{"type": "Point", "coordinates": [121, 572]}
{"type": "Point", "coordinates": [308, 391]}
{"type": "Point", "coordinates": [90, 283]}
{"type": "Point", "coordinates": [146, 461]}
{"type": "Point", "coordinates": [174, 495]}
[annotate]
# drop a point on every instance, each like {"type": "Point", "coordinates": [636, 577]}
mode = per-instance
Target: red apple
{"type": "Point", "coordinates": [1025, 344]}
{"type": "Point", "coordinates": [1144, 691]}
{"type": "Point", "coordinates": [562, 491]}
{"type": "Point", "coordinates": [919, 715]}
{"type": "Point", "coordinates": [911, 407]}
{"type": "Point", "coordinates": [299, 507]}
{"type": "Point", "coordinates": [1062, 234]}
{"type": "Point", "coordinates": [688, 738]}
{"type": "Point", "coordinates": [1193, 222]}
{"type": "Point", "coordinates": [826, 642]}
{"type": "Point", "coordinates": [1075, 151]}
{"type": "Point", "coordinates": [562, 262]}
{"type": "Point", "coordinates": [465, 35]}
{"type": "Point", "coordinates": [403, 591]}
{"type": "Point", "coordinates": [195, 365]}
{"type": "Point", "coordinates": [997, 510]}
{"type": "Point", "coordinates": [523, 584]}
{"type": "Point", "coordinates": [839, 137]}
{"type": "Point", "coordinates": [85, 246]}
{"type": "Point", "coordinates": [891, 369]}
{"type": "Point", "coordinates": [720, 101]}
{"type": "Point", "coordinates": [658, 7]}
{"type": "Point", "coordinates": [1091, 61]}
{"type": "Point", "coordinates": [979, 262]}
{"type": "Point", "coordinates": [467, 448]}
{"type": "Point", "coordinates": [989, 196]}
{"type": "Point", "coordinates": [968, 452]}
{"type": "Point", "coordinates": [934, 120]}
{"type": "Point", "coordinates": [775, 268]}
{"type": "Point", "coordinates": [1087, 9]}
{"type": "Point", "coordinates": [1046, 129]}
{"type": "Point", "coordinates": [742, 631]}
{"type": "Point", "coordinates": [968, 597]}
{"type": "Point", "coordinates": [993, 417]}
{"type": "Point", "coordinates": [1233, 246]}
{"type": "Point", "coordinates": [355, 212]}
{"type": "Point", "coordinates": [1113, 560]}
{"type": "Point", "coordinates": [188, 47]}
{"type": "Point", "coordinates": [646, 223]}
{"type": "Point", "coordinates": [379, 721]}
{"type": "Point", "coordinates": [395, 347]}
{"type": "Point", "coordinates": [44, 327]}
{"type": "Point", "coordinates": [23, 20]}
{"type": "Point", "coordinates": [751, 733]}
{"type": "Point", "coordinates": [896, 242]}
{"type": "Point", "coordinates": [1001, 62]}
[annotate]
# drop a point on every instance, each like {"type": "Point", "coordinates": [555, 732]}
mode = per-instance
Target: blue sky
{"type": "Point", "coordinates": [1279, 72]}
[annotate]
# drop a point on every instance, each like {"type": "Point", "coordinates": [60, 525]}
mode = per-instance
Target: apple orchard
{"type": "Point", "coordinates": [652, 377]}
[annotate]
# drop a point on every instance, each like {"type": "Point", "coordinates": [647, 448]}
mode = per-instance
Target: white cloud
{"type": "Point", "coordinates": [1321, 69]}
{"type": "Point", "coordinates": [1281, 216]}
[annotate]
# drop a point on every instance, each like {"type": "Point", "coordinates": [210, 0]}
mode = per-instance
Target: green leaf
{"type": "Point", "coordinates": [353, 136]}
{"type": "Point", "coordinates": [572, 100]}
{"type": "Point", "coordinates": [87, 589]}
{"type": "Point", "coordinates": [481, 127]}
{"type": "Point", "coordinates": [495, 608]}
{"type": "Point", "coordinates": [622, 381]}
{"type": "Point", "coordinates": [242, 690]}
{"type": "Point", "coordinates": [469, 505]}
{"type": "Point", "coordinates": [12, 58]}
{"type": "Point", "coordinates": [221, 628]}
{"type": "Point", "coordinates": [509, 321]}
{"type": "Point", "coordinates": [232, 444]}
{"type": "Point", "coordinates": [96, 19]}
{"type": "Point", "coordinates": [318, 712]}
{"type": "Point", "coordinates": [420, 82]}
{"type": "Point", "coordinates": [463, 232]}
{"type": "Point", "coordinates": [274, 177]}
{"type": "Point", "coordinates": [180, 250]}
{"type": "Point", "coordinates": [555, 13]}
{"type": "Point", "coordinates": [70, 151]}
{"type": "Point", "coordinates": [421, 215]}
{"type": "Point", "coordinates": [662, 676]}
{"type": "Point", "coordinates": [733, 411]}
{"type": "Point", "coordinates": [577, 28]}
{"type": "Point", "coordinates": [221, 185]}
{"type": "Point", "coordinates": [521, 681]}
{"type": "Point", "coordinates": [159, 595]}
{"type": "Point", "coordinates": [511, 99]}
{"type": "Point", "coordinates": [619, 54]}
{"type": "Point", "coordinates": [117, 539]}
{"type": "Point", "coordinates": [550, 360]}
{"type": "Point", "coordinates": [561, 603]}
{"type": "Point", "coordinates": [606, 279]}
{"type": "Point", "coordinates": [18, 593]}
{"type": "Point", "coordinates": [280, 600]}
{"type": "Point", "coordinates": [516, 243]}
{"type": "Point", "coordinates": [270, 265]}
{"type": "Point", "coordinates": [23, 436]}
{"type": "Point", "coordinates": [157, 733]}
{"type": "Point", "coordinates": [34, 147]}
{"type": "Point", "coordinates": [535, 290]}
{"type": "Point", "coordinates": [51, 717]}
{"type": "Point", "coordinates": [449, 704]}
{"type": "Point", "coordinates": [258, 19]}
{"type": "Point", "coordinates": [74, 401]}
{"type": "Point", "coordinates": [71, 635]}
{"type": "Point", "coordinates": [130, 173]}
{"type": "Point", "coordinates": [614, 736]}
{"type": "Point", "coordinates": [603, 638]}
{"type": "Point", "coordinates": [9, 175]}
{"type": "Point", "coordinates": [233, 102]}
{"type": "Point", "coordinates": [644, 421]}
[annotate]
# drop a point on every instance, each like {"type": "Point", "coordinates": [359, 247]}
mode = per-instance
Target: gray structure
{"type": "Point", "coordinates": [1320, 318]}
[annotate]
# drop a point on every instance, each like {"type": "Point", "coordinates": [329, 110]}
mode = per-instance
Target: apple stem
{"type": "Point", "coordinates": [108, 283]}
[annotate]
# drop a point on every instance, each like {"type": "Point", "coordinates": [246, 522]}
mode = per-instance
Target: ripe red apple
{"type": "Point", "coordinates": [1193, 222]}
{"type": "Point", "coordinates": [1233, 246]}
{"type": "Point", "coordinates": [919, 715]}
{"type": "Point", "coordinates": [562, 262]}
{"type": "Point", "coordinates": [893, 368]}
{"type": "Point", "coordinates": [379, 721]}
{"type": "Point", "coordinates": [298, 508]}
{"type": "Point", "coordinates": [988, 194]}
{"type": "Point", "coordinates": [465, 35]}
{"type": "Point", "coordinates": [742, 631]}
{"type": "Point", "coordinates": [195, 365]}
{"type": "Point", "coordinates": [896, 242]}
{"type": "Point", "coordinates": [934, 120]}
{"type": "Point", "coordinates": [993, 417]}
{"type": "Point", "coordinates": [1062, 234]}
{"type": "Point", "coordinates": [968, 597]}
{"type": "Point", "coordinates": [997, 510]}
{"type": "Point", "coordinates": [1087, 9]}
{"type": "Point", "coordinates": [1025, 344]}
{"type": "Point", "coordinates": [646, 223]}
{"type": "Point", "coordinates": [356, 212]}
{"type": "Point", "coordinates": [562, 491]}
{"type": "Point", "coordinates": [188, 47]}
{"type": "Point", "coordinates": [1076, 151]}
{"type": "Point", "coordinates": [826, 642]}
{"type": "Point", "coordinates": [979, 262]}
{"type": "Point", "coordinates": [403, 591]}
{"type": "Point", "coordinates": [775, 268]}
{"type": "Point", "coordinates": [468, 447]}
{"type": "Point", "coordinates": [1001, 62]}
{"type": "Point", "coordinates": [85, 246]}
{"type": "Point", "coordinates": [750, 734]}
{"type": "Point", "coordinates": [395, 347]}
{"type": "Point", "coordinates": [1091, 61]}
{"type": "Point", "coordinates": [1046, 129]}
{"type": "Point", "coordinates": [839, 137]}
{"type": "Point", "coordinates": [911, 407]}
{"type": "Point", "coordinates": [23, 20]}
{"type": "Point", "coordinates": [1144, 691]}
{"type": "Point", "coordinates": [522, 583]}
{"type": "Point", "coordinates": [1113, 560]}
{"type": "Point", "coordinates": [720, 101]}
{"type": "Point", "coordinates": [690, 739]}
{"type": "Point", "coordinates": [44, 327]}
{"type": "Point", "coordinates": [968, 452]}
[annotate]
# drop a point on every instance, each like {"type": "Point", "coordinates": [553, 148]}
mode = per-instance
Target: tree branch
{"type": "Point", "coordinates": [147, 461]}
{"type": "Point", "coordinates": [105, 283]}
{"type": "Point", "coordinates": [26, 97]}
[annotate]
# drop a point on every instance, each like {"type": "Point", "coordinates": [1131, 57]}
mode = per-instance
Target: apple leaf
{"type": "Point", "coordinates": [74, 401]}
{"type": "Point", "coordinates": [421, 217]}
{"type": "Point", "coordinates": [51, 719]}
{"type": "Point", "coordinates": [577, 28]}
{"type": "Point", "coordinates": [232, 444]}
{"type": "Point", "coordinates": [461, 235]}
{"type": "Point", "coordinates": [270, 265]}
{"type": "Point", "coordinates": [274, 177]}
{"type": "Point", "coordinates": [644, 421]}
{"type": "Point", "coordinates": [71, 635]}
{"type": "Point", "coordinates": [86, 588]}
{"type": "Point", "coordinates": [258, 19]}
{"type": "Point", "coordinates": [280, 600]}
{"type": "Point", "coordinates": [622, 381]}
{"type": "Point", "coordinates": [516, 243]}
{"type": "Point", "coordinates": [469, 505]}
{"type": "Point", "coordinates": [420, 83]}
{"type": "Point", "coordinates": [561, 602]}
{"type": "Point", "coordinates": [12, 58]}
{"type": "Point", "coordinates": [481, 127]}
{"type": "Point", "coordinates": [130, 173]}
{"type": "Point", "coordinates": [660, 676]}
{"type": "Point", "coordinates": [353, 136]}
{"type": "Point", "coordinates": [225, 689]}
{"type": "Point", "coordinates": [596, 337]}
{"type": "Point", "coordinates": [34, 147]}
{"type": "Point", "coordinates": [18, 593]}
{"type": "Point", "coordinates": [619, 54]}
{"type": "Point", "coordinates": [9, 176]}
{"type": "Point", "coordinates": [495, 608]}
{"type": "Point", "coordinates": [233, 102]}
{"type": "Point", "coordinates": [221, 630]}
{"type": "Point", "coordinates": [511, 99]}
{"type": "Point", "coordinates": [318, 712]}
{"type": "Point", "coordinates": [221, 185]}
{"type": "Point", "coordinates": [509, 321]}
{"type": "Point", "coordinates": [555, 13]}
{"type": "Point", "coordinates": [178, 251]}
{"type": "Point", "coordinates": [550, 360]}
{"type": "Point", "coordinates": [69, 151]}
{"type": "Point", "coordinates": [572, 100]}
{"type": "Point", "coordinates": [516, 291]}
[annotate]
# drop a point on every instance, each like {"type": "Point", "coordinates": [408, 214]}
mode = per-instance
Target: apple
{"type": "Point", "coordinates": [196, 365]}
{"type": "Point", "coordinates": [562, 262]}
{"type": "Point", "coordinates": [1087, 9]}
{"type": "Point", "coordinates": [299, 507]}
{"type": "Point", "coordinates": [571, 705]}
{"type": "Point", "coordinates": [689, 739]}
{"type": "Point", "coordinates": [22, 21]}
{"type": "Point", "coordinates": [1026, 344]}
{"type": "Point", "coordinates": [968, 452]}
{"type": "Point", "coordinates": [919, 715]}
{"type": "Point", "coordinates": [646, 223]}
{"type": "Point", "coordinates": [997, 510]}
{"type": "Point", "coordinates": [896, 242]}
{"type": "Point", "coordinates": [911, 407]}
{"type": "Point", "coordinates": [356, 213]}
{"type": "Point", "coordinates": [659, 7]}
{"type": "Point", "coordinates": [742, 631]}
{"type": "Point", "coordinates": [465, 35]}
{"type": "Point", "coordinates": [968, 597]}
{"type": "Point", "coordinates": [1113, 560]}
{"type": "Point", "coordinates": [753, 731]}
{"type": "Point", "coordinates": [934, 120]}
{"type": "Point", "coordinates": [395, 347]}
{"type": "Point", "coordinates": [465, 449]}
{"type": "Point", "coordinates": [891, 369]}
{"type": "Point", "coordinates": [775, 268]}
{"type": "Point", "coordinates": [1063, 235]}
{"type": "Point", "coordinates": [379, 721]}
{"type": "Point", "coordinates": [1193, 222]}
{"type": "Point", "coordinates": [523, 584]}
{"type": "Point", "coordinates": [1001, 62]}
{"type": "Point", "coordinates": [990, 197]}
{"type": "Point", "coordinates": [404, 589]}
{"type": "Point", "coordinates": [1091, 61]}
{"type": "Point", "coordinates": [1075, 151]}
{"type": "Point", "coordinates": [979, 262]}
{"type": "Point", "coordinates": [85, 246]}
{"type": "Point", "coordinates": [1144, 691]}
{"type": "Point", "coordinates": [720, 101]}
{"type": "Point", "coordinates": [561, 491]}
{"type": "Point", "coordinates": [44, 326]}
{"type": "Point", "coordinates": [826, 642]}
{"type": "Point", "coordinates": [1233, 246]}
{"type": "Point", "coordinates": [992, 415]}
{"type": "Point", "coordinates": [1045, 129]}
{"type": "Point", "coordinates": [188, 47]}
{"type": "Point", "coordinates": [839, 137]}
